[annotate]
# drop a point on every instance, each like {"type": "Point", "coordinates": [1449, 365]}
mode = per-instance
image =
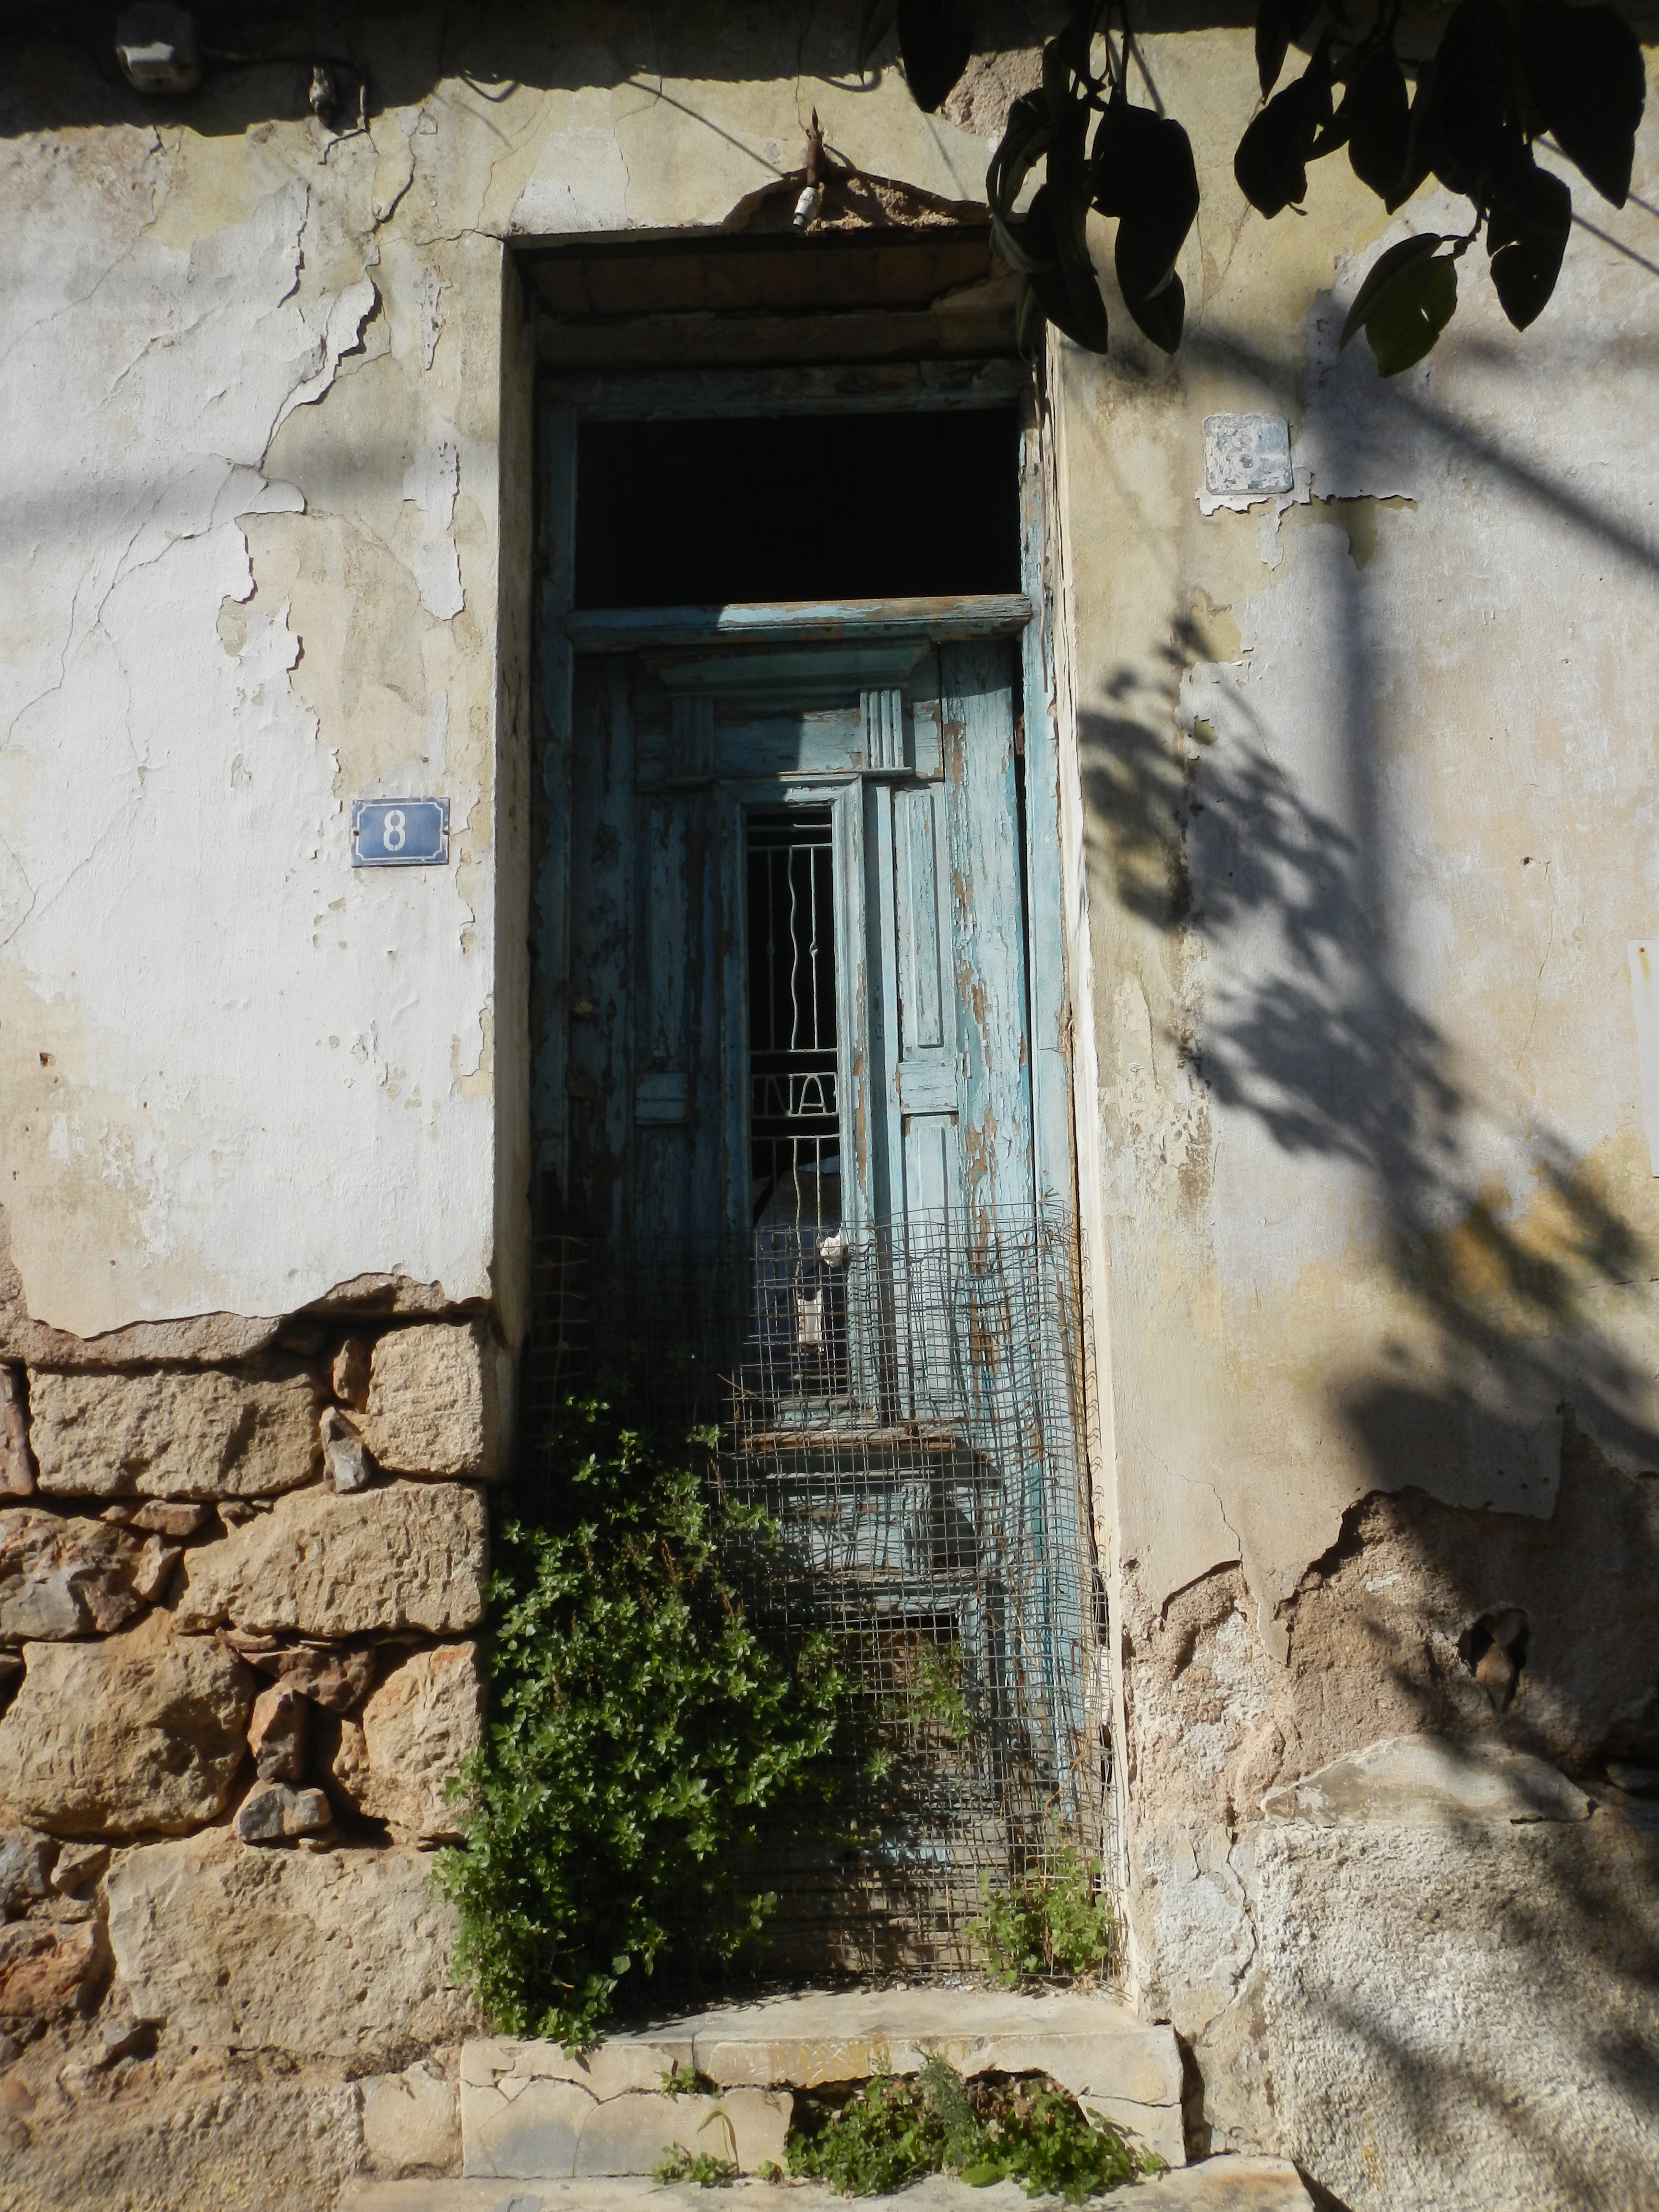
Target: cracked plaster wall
{"type": "Point", "coordinates": [252, 544]}
{"type": "Point", "coordinates": [1367, 821]}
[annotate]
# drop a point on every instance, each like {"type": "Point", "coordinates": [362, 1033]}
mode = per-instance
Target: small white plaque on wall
{"type": "Point", "coordinates": [1247, 456]}
{"type": "Point", "coordinates": [1644, 992]}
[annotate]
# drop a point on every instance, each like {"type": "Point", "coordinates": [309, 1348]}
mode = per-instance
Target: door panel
{"type": "Point", "coordinates": [670, 763]}
{"type": "Point", "coordinates": [598, 999]}
{"type": "Point", "coordinates": [677, 1133]}
{"type": "Point", "coordinates": [988, 931]}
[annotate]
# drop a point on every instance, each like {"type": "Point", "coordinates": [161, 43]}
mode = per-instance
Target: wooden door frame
{"type": "Point", "coordinates": [1066, 1168]}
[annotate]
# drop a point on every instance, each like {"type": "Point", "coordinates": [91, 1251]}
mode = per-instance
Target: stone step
{"type": "Point", "coordinates": [1216, 2185]}
{"type": "Point", "coordinates": [531, 2112]}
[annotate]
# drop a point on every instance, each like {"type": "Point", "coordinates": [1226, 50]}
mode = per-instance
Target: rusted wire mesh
{"type": "Point", "coordinates": [902, 1403]}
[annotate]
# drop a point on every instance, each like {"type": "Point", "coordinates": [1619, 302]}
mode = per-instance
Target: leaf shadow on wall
{"type": "Point", "coordinates": [1279, 888]}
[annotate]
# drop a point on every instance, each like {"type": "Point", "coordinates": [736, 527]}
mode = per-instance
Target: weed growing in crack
{"type": "Point", "coordinates": [890, 2131]}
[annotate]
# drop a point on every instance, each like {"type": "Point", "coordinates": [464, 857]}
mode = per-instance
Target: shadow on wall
{"type": "Point", "coordinates": [1310, 1035]}
{"type": "Point", "coordinates": [1412, 2003]}
{"type": "Point", "coordinates": [60, 65]}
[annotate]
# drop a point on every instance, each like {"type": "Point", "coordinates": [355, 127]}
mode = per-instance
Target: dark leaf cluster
{"type": "Point", "coordinates": [641, 1727]}
{"type": "Point", "coordinates": [1506, 75]}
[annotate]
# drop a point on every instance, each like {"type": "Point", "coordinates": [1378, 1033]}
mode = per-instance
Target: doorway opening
{"type": "Point", "coordinates": [802, 1104]}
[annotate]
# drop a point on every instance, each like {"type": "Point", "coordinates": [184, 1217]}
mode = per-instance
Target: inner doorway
{"type": "Point", "coordinates": [803, 1154]}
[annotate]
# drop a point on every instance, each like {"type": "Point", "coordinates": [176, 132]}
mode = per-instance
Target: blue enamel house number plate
{"type": "Point", "coordinates": [399, 833]}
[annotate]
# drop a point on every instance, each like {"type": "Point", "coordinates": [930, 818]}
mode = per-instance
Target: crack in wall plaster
{"type": "Point", "coordinates": [189, 359]}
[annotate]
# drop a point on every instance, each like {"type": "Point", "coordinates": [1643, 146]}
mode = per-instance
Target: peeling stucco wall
{"type": "Point", "coordinates": [255, 384]}
{"type": "Point", "coordinates": [235, 1072]}
{"type": "Point", "coordinates": [1367, 779]}
{"type": "Point", "coordinates": [1365, 826]}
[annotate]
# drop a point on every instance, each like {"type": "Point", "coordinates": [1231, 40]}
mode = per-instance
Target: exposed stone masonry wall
{"type": "Point", "coordinates": [239, 1668]}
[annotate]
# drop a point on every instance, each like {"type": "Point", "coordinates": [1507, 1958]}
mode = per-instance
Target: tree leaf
{"type": "Point", "coordinates": [1462, 112]}
{"type": "Point", "coordinates": [935, 39]}
{"type": "Point", "coordinates": [1277, 22]}
{"type": "Point", "coordinates": [1143, 174]}
{"type": "Point", "coordinates": [1008, 247]}
{"type": "Point", "coordinates": [1379, 121]}
{"type": "Point", "coordinates": [1527, 233]}
{"type": "Point", "coordinates": [1271, 164]}
{"type": "Point", "coordinates": [1163, 314]}
{"type": "Point", "coordinates": [1064, 56]}
{"type": "Point", "coordinates": [871, 23]}
{"type": "Point", "coordinates": [1583, 69]}
{"type": "Point", "coordinates": [1062, 276]}
{"type": "Point", "coordinates": [1408, 297]}
{"type": "Point", "coordinates": [1026, 140]}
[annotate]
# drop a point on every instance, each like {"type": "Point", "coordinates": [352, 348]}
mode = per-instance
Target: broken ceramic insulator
{"type": "Point", "coordinates": [157, 48]}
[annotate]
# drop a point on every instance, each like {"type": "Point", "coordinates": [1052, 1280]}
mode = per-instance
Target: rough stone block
{"type": "Point", "coordinates": [179, 1433]}
{"type": "Point", "coordinates": [522, 2129]}
{"type": "Point", "coordinates": [46, 1972]}
{"type": "Point", "coordinates": [330, 1954]}
{"type": "Point", "coordinates": [26, 1865]}
{"type": "Point", "coordinates": [394, 1761]}
{"type": "Point", "coordinates": [411, 2121]}
{"type": "Point", "coordinates": [629, 2135]}
{"type": "Point", "coordinates": [16, 1459]}
{"type": "Point", "coordinates": [1447, 2012]}
{"type": "Point", "coordinates": [349, 1373]}
{"type": "Point", "coordinates": [337, 1677]}
{"type": "Point", "coordinates": [346, 1465]}
{"type": "Point", "coordinates": [78, 1867]}
{"type": "Point", "coordinates": [516, 2094]}
{"type": "Point", "coordinates": [1226, 2184]}
{"type": "Point", "coordinates": [159, 1516]}
{"type": "Point", "coordinates": [406, 1555]}
{"type": "Point", "coordinates": [276, 1734]}
{"type": "Point", "coordinates": [61, 1575]}
{"type": "Point", "coordinates": [272, 1812]}
{"type": "Point", "coordinates": [144, 1732]}
{"type": "Point", "coordinates": [1429, 1781]}
{"type": "Point", "coordinates": [438, 1400]}
{"type": "Point", "coordinates": [531, 2126]}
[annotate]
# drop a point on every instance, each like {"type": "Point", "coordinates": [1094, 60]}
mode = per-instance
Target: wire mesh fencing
{"type": "Point", "coordinates": [901, 1403]}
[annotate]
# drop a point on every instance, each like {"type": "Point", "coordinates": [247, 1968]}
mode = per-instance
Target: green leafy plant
{"type": "Point", "coordinates": [1504, 74]}
{"type": "Point", "coordinates": [1055, 1924]}
{"type": "Point", "coordinates": [1045, 2141]}
{"type": "Point", "coordinates": [892, 2131]}
{"type": "Point", "coordinates": [640, 1726]}
{"type": "Point", "coordinates": [886, 2133]}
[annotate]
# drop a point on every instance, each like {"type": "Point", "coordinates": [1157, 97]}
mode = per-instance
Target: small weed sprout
{"type": "Point", "coordinates": [707, 2169]}
{"type": "Point", "coordinates": [685, 2081]}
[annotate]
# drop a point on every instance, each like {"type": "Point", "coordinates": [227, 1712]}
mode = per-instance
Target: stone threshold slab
{"type": "Point", "coordinates": [1217, 2185]}
{"type": "Point", "coordinates": [531, 2110]}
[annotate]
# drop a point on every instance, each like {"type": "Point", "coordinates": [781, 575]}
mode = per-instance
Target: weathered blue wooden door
{"type": "Point", "coordinates": [797, 964]}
